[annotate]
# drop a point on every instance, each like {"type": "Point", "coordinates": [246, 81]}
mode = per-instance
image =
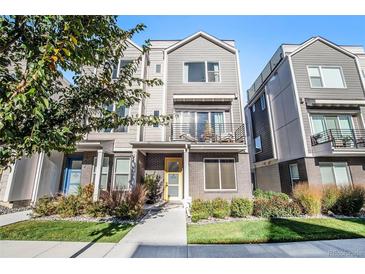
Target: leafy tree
{"type": "Point", "coordinates": [38, 111]}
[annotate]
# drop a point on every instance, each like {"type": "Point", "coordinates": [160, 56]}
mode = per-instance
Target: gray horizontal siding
{"type": "Point", "coordinates": [201, 49]}
{"type": "Point", "coordinates": [321, 54]}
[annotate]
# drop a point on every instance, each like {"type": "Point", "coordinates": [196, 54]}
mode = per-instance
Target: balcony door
{"type": "Point", "coordinates": [340, 126]}
{"type": "Point", "coordinates": [202, 126]}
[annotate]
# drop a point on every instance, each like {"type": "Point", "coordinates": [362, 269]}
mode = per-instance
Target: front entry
{"type": "Point", "coordinates": [173, 179]}
{"type": "Point", "coordinates": [72, 177]}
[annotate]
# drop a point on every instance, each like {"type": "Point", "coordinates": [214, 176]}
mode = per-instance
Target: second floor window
{"type": "Point", "coordinates": [117, 68]}
{"type": "Point", "coordinates": [122, 111]}
{"type": "Point", "coordinates": [326, 77]}
{"type": "Point", "coordinates": [263, 102]}
{"type": "Point", "coordinates": [201, 72]}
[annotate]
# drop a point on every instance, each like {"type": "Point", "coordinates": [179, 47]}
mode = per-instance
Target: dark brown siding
{"type": "Point", "coordinates": [261, 127]}
{"type": "Point", "coordinates": [286, 185]}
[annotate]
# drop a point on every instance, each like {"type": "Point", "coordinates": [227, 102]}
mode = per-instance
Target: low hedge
{"type": "Point", "coordinates": [200, 210]}
{"type": "Point", "coordinates": [220, 208]}
{"type": "Point", "coordinates": [276, 207]}
{"type": "Point", "coordinates": [349, 201]}
{"type": "Point", "coordinates": [241, 207]}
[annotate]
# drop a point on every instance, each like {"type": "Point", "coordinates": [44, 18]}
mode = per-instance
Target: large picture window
{"type": "Point", "coordinates": [201, 72]}
{"type": "Point", "coordinates": [118, 67]}
{"type": "Point", "coordinates": [326, 77]}
{"type": "Point", "coordinates": [335, 174]}
{"type": "Point", "coordinates": [220, 174]}
{"type": "Point", "coordinates": [121, 173]}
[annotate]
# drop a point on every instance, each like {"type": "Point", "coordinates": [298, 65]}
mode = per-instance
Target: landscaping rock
{"type": "Point", "coordinates": [7, 210]}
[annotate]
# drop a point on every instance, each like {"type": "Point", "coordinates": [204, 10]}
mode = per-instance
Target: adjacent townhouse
{"type": "Point", "coordinates": [202, 153]}
{"type": "Point", "coordinates": [305, 117]}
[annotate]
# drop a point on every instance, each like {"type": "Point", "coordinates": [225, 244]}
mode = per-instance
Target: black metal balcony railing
{"type": "Point", "coordinates": [208, 133]}
{"type": "Point", "coordinates": [341, 138]}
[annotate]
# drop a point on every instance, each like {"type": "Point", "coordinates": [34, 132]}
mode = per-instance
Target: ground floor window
{"type": "Point", "coordinates": [294, 173]}
{"type": "Point", "coordinates": [335, 173]}
{"type": "Point", "coordinates": [121, 173]}
{"type": "Point", "coordinates": [220, 174]}
{"type": "Point", "coordinates": [104, 173]}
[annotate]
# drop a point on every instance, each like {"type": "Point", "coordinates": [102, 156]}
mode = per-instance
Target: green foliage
{"type": "Point", "coordinates": [153, 184]}
{"type": "Point", "coordinates": [276, 207]}
{"type": "Point", "coordinates": [39, 111]}
{"type": "Point", "coordinates": [259, 193]}
{"type": "Point", "coordinates": [45, 207]}
{"type": "Point", "coordinates": [329, 198]}
{"type": "Point", "coordinates": [350, 201]}
{"type": "Point", "coordinates": [241, 207]}
{"type": "Point", "coordinates": [69, 206]}
{"type": "Point", "coordinates": [309, 198]}
{"type": "Point", "coordinates": [200, 210]}
{"type": "Point", "coordinates": [220, 208]}
{"type": "Point", "coordinates": [96, 209]}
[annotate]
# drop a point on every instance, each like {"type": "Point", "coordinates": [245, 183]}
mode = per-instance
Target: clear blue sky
{"type": "Point", "coordinates": [257, 37]}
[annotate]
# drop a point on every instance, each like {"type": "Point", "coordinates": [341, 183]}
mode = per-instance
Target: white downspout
{"type": "Point", "coordinates": [98, 168]}
{"type": "Point", "coordinates": [37, 178]}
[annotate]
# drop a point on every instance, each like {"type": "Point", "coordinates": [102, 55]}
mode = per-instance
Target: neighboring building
{"type": "Point", "coordinates": [305, 117]}
{"type": "Point", "coordinates": [202, 153]}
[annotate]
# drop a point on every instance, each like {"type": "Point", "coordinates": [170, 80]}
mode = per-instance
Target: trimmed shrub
{"type": "Point", "coordinates": [261, 194]}
{"type": "Point", "coordinates": [220, 208]}
{"type": "Point", "coordinates": [69, 206]}
{"type": "Point", "coordinates": [45, 207]}
{"type": "Point", "coordinates": [241, 207]}
{"type": "Point", "coordinates": [276, 207]}
{"type": "Point", "coordinates": [153, 184]}
{"type": "Point", "coordinates": [329, 198]}
{"type": "Point", "coordinates": [200, 210]}
{"type": "Point", "coordinates": [350, 201]}
{"type": "Point", "coordinates": [309, 198]}
{"type": "Point", "coordinates": [96, 209]}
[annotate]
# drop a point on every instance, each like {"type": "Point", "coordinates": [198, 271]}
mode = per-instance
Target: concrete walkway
{"type": "Point", "coordinates": [354, 248]}
{"type": "Point", "coordinates": [15, 217]}
{"type": "Point", "coordinates": [162, 233]}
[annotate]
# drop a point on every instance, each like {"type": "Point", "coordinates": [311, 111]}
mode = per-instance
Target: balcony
{"type": "Point", "coordinates": [338, 141]}
{"type": "Point", "coordinates": [208, 133]}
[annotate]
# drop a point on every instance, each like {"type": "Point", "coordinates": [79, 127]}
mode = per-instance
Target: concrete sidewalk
{"type": "Point", "coordinates": [354, 248]}
{"type": "Point", "coordinates": [161, 233]}
{"type": "Point", "coordinates": [15, 217]}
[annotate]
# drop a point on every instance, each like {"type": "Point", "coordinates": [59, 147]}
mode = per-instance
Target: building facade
{"type": "Point", "coordinates": [202, 153]}
{"type": "Point", "coordinates": [305, 117]}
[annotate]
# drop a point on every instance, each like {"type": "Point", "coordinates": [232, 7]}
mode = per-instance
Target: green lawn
{"type": "Point", "coordinates": [275, 230]}
{"type": "Point", "coordinates": [65, 231]}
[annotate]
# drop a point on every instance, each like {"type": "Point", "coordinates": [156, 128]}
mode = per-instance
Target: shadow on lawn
{"type": "Point", "coordinates": [295, 230]}
{"type": "Point", "coordinates": [108, 231]}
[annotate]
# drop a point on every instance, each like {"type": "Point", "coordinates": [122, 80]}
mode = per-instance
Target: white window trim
{"type": "Point", "coordinates": [333, 115]}
{"type": "Point", "coordinates": [178, 112]}
{"type": "Point", "coordinates": [185, 77]}
{"type": "Point", "coordinates": [156, 68]}
{"type": "Point", "coordinates": [118, 66]}
{"type": "Point", "coordinates": [332, 164]}
{"type": "Point", "coordinates": [322, 79]}
{"type": "Point", "coordinates": [114, 171]}
{"type": "Point", "coordinates": [219, 172]}
{"type": "Point", "coordinates": [254, 140]}
{"type": "Point", "coordinates": [291, 175]}
{"type": "Point", "coordinates": [93, 170]}
{"type": "Point", "coordinates": [127, 127]}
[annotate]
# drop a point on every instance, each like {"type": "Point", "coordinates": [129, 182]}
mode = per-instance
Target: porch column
{"type": "Point", "coordinates": [37, 177]}
{"type": "Point", "coordinates": [187, 198]}
{"type": "Point", "coordinates": [99, 165]}
{"type": "Point", "coordinates": [9, 183]}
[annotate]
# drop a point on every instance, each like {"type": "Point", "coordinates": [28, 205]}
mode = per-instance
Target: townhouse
{"type": "Point", "coordinates": [202, 153]}
{"type": "Point", "coordinates": [305, 117]}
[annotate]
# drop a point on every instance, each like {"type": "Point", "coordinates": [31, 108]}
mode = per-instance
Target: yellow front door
{"type": "Point", "coordinates": [173, 179]}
